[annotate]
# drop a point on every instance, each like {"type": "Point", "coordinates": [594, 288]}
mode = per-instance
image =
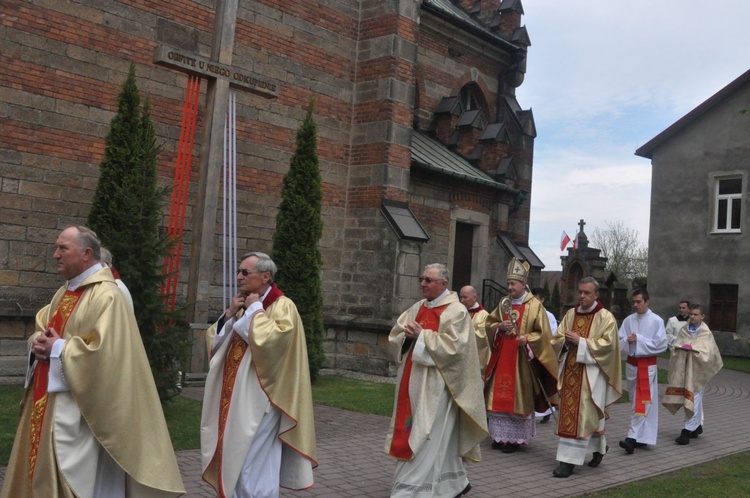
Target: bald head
{"type": "Point", "coordinates": [468, 296]}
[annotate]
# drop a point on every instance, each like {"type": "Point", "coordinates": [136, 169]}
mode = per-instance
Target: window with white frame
{"type": "Point", "coordinates": [728, 208]}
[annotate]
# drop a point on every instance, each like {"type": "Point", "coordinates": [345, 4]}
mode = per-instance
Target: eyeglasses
{"type": "Point", "coordinates": [430, 280]}
{"type": "Point", "coordinates": [247, 272]}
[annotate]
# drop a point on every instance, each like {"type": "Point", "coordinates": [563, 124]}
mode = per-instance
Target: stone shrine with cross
{"type": "Point", "coordinates": [584, 261]}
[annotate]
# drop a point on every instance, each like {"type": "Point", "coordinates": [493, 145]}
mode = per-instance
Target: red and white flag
{"type": "Point", "coordinates": [564, 240]}
{"type": "Point", "coordinates": [575, 243]}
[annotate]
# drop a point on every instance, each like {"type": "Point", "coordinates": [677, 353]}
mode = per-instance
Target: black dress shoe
{"type": "Point", "coordinates": [545, 419]}
{"type": "Point", "coordinates": [684, 437]}
{"type": "Point", "coordinates": [563, 470]}
{"type": "Point", "coordinates": [465, 491]}
{"type": "Point", "coordinates": [628, 444]}
{"type": "Point", "coordinates": [697, 432]}
{"type": "Point", "coordinates": [510, 448]}
{"type": "Point", "coordinates": [497, 446]}
{"type": "Point", "coordinates": [640, 445]}
{"type": "Point", "coordinates": [597, 458]}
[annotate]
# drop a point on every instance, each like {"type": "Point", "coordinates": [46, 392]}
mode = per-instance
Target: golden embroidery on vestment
{"type": "Point", "coordinates": [237, 350]}
{"type": "Point", "coordinates": [572, 385]}
{"type": "Point", "coordinates": [62, 313]}
{"type": "Point", "coordinates": [37, 417]}
{"type": "Point", "coordinates": [680, 391]}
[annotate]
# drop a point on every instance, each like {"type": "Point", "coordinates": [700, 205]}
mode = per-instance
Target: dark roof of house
{"type": "Point", "coordinates": [647, 149]}
{"type": "Point", "coordinates": [429, 154]}
{"type": "Point", "coordinates": [457, 16]}
{"type": "Point", "coordinates": [552, 277]}
{"type": "Point", "coordinates": [519, 250]}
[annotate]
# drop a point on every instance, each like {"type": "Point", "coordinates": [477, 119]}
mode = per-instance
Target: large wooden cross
{"type": "Point", "coordinates": [220, 75]}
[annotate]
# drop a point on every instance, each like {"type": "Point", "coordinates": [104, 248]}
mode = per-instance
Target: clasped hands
{"type": "Point", "coordinates": [412, 330]}
{"type": "Point", "coordinates": [572, 337]}
{"type": "Point", "coordinates": [241, 301]}
{"type": "Point", "coordinates": [41, 346]}
{"type": "Point", "coordinates": [508, 328]}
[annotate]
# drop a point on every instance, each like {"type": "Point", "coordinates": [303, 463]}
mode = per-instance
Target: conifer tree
{"type": "Point", "coordinates": [555, 301]}
{"type": "Point", "coordinates": [299, 227]}
{"type": "Point", "coordinates": [545, 289]}
{"type": "Point", "coordinates": [125, 214]}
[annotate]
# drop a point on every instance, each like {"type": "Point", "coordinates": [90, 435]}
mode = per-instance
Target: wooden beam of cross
{"type": "Point", "coordinates": [220, 76]}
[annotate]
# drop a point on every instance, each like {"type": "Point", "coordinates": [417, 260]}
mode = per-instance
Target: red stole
{"type": "Point", "coordinates": [235, 353]}
{"type": "Point", "coordinates": [429, 319]}
{"type": "Point", "coordinates": [41, 374]}
{"type": "Point", "coordinates": [474, 311]}
{"type": "Point", "coordinates": [572, 377]}
{"type": "Point", "coordinates": [642, 382]}
{"type": "Point", "coordinates": [503, 363]}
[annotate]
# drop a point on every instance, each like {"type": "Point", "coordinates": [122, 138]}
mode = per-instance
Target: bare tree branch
{"type": "Point", "coordinates": [626, 257]}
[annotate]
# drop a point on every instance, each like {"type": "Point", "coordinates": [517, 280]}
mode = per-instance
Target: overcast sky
{"type": "Point", "coordinates": [603, 78]}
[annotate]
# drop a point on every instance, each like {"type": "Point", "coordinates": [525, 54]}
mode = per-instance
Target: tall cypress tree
{"type": "Point", "coordinates": [555, 301]}
{"type": "Point", "coordinates": [125, 214]}
{"type": "Point", "coordinates": [299, 227]}
{"type": "Point", "coordinates": [545, 289]}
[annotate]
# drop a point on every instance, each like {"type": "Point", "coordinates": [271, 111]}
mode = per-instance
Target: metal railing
{"type": "Point", "coordinates": [492, 292]}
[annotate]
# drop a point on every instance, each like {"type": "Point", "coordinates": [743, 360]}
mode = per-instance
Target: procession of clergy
{"type": "Point", "coordinates": [465, 373]}
{"type": "Point", "coordinates": [91, 424]}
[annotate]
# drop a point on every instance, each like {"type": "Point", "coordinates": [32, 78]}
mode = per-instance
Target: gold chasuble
{"type": "Point", "coordinates": [112, 404]}
{"type": "Point", "coordinates": [450, 345]}
{"type": "Point", "coordinates": [428, 318]}
{"type": "Point", "coordinates": [272, 365]}
{"type": "Point", "coordinates": [587, 389]}
{"type": "Point", "coordinates": [513, 375]}
{"type": "Point", "coordinates": [695, 360]}
{"type": "Point", "coordinates": [478, 318]}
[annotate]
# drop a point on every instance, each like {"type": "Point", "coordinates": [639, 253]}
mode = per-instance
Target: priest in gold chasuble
{"type": "Point", "coordinates": [91, 423]}
{"type": "Point", "coordinates": [257, 430]}
{"type": "Point", "coordinates": [589, 379]}
{"type": "Point", "coordinates": [438, 415]}
{"type": "Point", "coordinates": [521, 377]}
{"type": "Point", "coordinates": [468, 297]}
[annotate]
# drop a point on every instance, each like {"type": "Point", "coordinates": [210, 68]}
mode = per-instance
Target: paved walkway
{"type": "Point", "coordinates": [352, 463]}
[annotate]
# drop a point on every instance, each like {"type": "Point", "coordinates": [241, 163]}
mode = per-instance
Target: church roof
{"type": "Point", "coordinates": [519, 251]}
{"type": "Point", "coordinates": [457, 16]}
{"type": "Point", "coordinates": [511, 5]}
{"type": "Point", "coordinates": [429, 154]}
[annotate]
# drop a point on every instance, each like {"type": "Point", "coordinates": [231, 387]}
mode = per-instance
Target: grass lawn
{"type": "Point", "coordinates": [10, 398]}
{"type": "Point", "coordinates": [738, 364]}
{"type": "Point", "coordinates": [356, 395]}
{"type": "Point", "coordinates": [725, 477]}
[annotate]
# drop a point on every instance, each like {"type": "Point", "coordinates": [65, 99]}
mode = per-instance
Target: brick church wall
{"type": "Point", "coordinates": [63, 65]}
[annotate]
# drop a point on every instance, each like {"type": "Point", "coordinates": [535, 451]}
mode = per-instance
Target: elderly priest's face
{"type": "Point", "coordinates": [431, 283]}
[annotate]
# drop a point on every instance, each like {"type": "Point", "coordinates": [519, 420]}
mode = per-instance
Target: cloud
{"type": "Point", "coordinates": [603, 78]}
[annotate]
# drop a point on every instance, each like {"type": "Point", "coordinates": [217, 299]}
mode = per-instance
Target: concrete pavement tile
{"type": "Point", "coordinates": [352, 463]}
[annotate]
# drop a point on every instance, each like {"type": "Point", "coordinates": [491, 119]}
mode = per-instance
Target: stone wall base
{"type": "Point", "coordinates": [358, 345]}
{"type": "Point", "coordinates": [732, 344]}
